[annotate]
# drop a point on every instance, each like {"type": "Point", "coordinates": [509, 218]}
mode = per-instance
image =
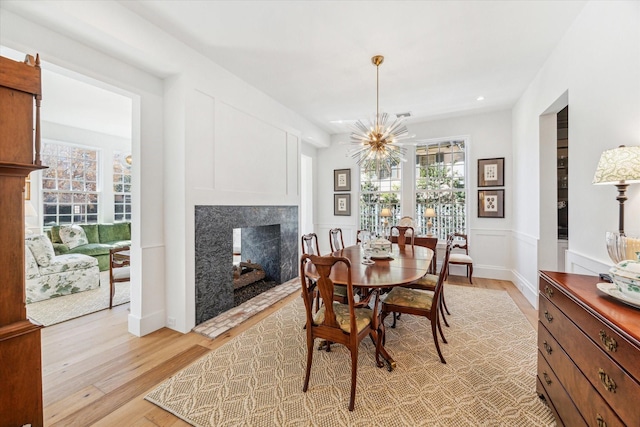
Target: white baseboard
{"type": "Point", "coordinates": [529, 290]}
{"type": "Point", "coordinates": [142, 326]}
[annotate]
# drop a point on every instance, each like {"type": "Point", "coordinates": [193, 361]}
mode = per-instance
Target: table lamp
{"type": "Point", "coordinates": [620, 167]}
{"type": "Point", "coordinates": [385, 214]}
{"type": "Point", "coordinates": [429, 213]}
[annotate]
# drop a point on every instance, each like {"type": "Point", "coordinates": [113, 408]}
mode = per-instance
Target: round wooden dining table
{"type": "Point", "coordinates": [402, 266]}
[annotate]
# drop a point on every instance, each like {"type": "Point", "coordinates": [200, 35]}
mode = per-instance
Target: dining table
{"type": "Point", "coordinates": [400, 266]}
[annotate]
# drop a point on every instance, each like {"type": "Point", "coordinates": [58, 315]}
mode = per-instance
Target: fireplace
{"type": "Point", "coordinates": [269, 238]}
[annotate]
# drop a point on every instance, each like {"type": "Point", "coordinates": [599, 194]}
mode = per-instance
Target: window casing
{"type": "Point", "coordinates": [69, 184]}
{"type": "Point", "coordinates": [441, 184]}
{"type": "Point", "coordinates": [378, 190]}
{"type": "Point", "coordinates": [121, 187]}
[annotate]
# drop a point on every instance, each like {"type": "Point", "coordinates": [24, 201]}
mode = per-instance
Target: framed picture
{"type": "Point", "coordinates": [342, 180]}
{"type": "Point", "coordinates": [342, 204]}
{"type": "Point", "coordinates": [491, 172]}
{"type": "Point", "coordinates": [490, 203]}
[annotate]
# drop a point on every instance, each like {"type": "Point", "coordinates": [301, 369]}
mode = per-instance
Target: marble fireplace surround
{"type": "Point", "coordinates": [269, 237]}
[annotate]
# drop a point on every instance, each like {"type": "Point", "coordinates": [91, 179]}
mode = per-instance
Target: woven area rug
{"type": "Point", "coordinates": [256, 379]}
{"type": "Point", "coordinates": [60, 309]}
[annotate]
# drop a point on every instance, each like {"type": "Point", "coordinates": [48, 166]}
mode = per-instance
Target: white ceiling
{"type": "Point", "coordinates": [314, 56]}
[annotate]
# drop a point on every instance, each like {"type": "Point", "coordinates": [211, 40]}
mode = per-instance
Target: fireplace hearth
{"type": "Point", "coordinates": [269, 238]}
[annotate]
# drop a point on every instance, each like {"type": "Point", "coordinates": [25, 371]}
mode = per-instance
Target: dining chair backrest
{"type": "Point", "coordinates": [310, 244]}
{"type": "Point", "coordinates": [335, 239]}
{"type": "Point", "coordinates": [404, 232]}
{"type": "Point", "coordinates": [460, 242]}
{"type": "Point", "coordinates": [359, 236]}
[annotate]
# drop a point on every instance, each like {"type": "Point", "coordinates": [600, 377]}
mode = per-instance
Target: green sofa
{"type": "Point", "coordinates": [102, 238]}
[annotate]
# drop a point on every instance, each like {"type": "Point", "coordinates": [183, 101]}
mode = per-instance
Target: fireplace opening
{"type": "Point", "coordinates": [250, 278]}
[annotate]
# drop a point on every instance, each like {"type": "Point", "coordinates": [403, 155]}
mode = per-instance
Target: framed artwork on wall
{"type": "Point", "coordinates": [342, 204]}
{"type": "Point", "coordinates": [490, 203]}
{"type": "Point", "coordinates": [342, 180]}
{"type": "Point", "coordinates": [491, 172]}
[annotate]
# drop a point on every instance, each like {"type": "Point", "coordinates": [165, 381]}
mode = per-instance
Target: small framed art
{"type": "Point", "coordinates": [342, 204]}
{"type": "Point", "coordinates": [490, 203]}
{"type": "Point", "coordinates": [491, 172]}
{"type": "Point", "coordinates": [342, 180]}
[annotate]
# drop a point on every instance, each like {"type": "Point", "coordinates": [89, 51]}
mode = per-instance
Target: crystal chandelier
{"type": "Point", "coordinates": [376, 142]}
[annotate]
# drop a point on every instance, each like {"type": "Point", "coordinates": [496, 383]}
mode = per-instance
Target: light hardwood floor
{"type": "Point", "coordinates": [96, 373]}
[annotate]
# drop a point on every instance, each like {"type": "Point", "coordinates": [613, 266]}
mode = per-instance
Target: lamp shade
{"type": "Point", "coordinates": [618, 164]}
{"type": "Point", "coordinates": [429, 213]}
{"type": "Point", "coordinates": [386, 212]}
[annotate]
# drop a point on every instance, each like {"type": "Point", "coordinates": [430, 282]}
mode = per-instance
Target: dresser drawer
{"type": "Point", "coordinates": [591, 405]}
{"type": "Point", "coordinates": [606, 338]}
{"type": "Point", "coordinates": [542, 393]}
{"type": "Point", "coordinates": [564, 407]}
{"type": "Point", "coordinates": [619, 390]}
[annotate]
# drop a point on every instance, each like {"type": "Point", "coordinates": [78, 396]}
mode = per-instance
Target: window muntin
{"type": "Point", "coordinates": [121, 187]}
{"type": "Point", "coordinates": [378, 190]}
{"type": "Point", "coordinates": [441, 184]}
{"type": "Point", "coordinates": [69, 184]}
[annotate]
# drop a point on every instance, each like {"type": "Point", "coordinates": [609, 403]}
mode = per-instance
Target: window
{"type": "Point", "coordinates": [121, 187]}
{"type": "Point", "coordinates": [70, 184]}
{"type": "Point", "coordinates": [379, 190]}
{"type": "Point", "coordinates": [441, 184]}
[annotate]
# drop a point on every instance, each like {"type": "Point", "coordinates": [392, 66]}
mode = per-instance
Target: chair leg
{"type": "Point", "coordinates": [354, 372]}
{"type": "Point", "coordinates": [435, 338]}
{"type": "Point", "coordinates": [470, 268]}
{"type": "Point", "coordinates": [444, 340]}
{"type": "Point", "coordinates": [443, 316]}
{"type": "Point", "coordinates": [395, 316]}
{"type": "Point", "coordinates": [309, 360]}
{"type": "Point", "coordinates": [444, 303]}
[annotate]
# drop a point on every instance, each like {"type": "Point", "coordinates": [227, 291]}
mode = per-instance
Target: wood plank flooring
{"type": "Point", "coordinates": [96, 373]}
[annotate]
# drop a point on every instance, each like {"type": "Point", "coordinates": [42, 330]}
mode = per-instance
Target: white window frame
{"type": "Point", "coordinates": [121, 198]}
{"type": "Point", "coordinates": [76, 195]}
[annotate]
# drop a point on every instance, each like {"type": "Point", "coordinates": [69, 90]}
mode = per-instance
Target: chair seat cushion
{"type": "Point", "coordinates": [67, 262]}
{"type": "Point", "coordinates": [460, 258]}
{"type": "Point", "coordinates": [340, 290]}
{"type": "Point", "coordinates": [412, 298]}
{"type": "Point", "coordinates": [428, 282]}
{"type": "Point", "coordinates": [363, 317]}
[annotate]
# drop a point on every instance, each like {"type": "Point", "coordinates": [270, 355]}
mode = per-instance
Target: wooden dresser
{"type": "Point", "coordinates": [588, 353]}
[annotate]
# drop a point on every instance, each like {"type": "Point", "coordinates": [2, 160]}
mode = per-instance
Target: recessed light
{"type": "Point", "coordinates": [480, 98]}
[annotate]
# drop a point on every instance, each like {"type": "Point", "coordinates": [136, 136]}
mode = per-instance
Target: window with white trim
{"type": "Point", "coordinates": [441, 185]}
{"type": "Point", "coordinates": [121, 186]}
{"type": "Point", "coordinates": [378, 190]}
{"type": "Point", "coordinates": [69, 184]}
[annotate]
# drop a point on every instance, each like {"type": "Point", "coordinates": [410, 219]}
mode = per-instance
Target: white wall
{"type": "Point", "coordinates": [489, 136]}
{"type": "Point", "coordinates": [598, 63]}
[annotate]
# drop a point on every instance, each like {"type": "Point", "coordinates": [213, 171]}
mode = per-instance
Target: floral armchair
{"type": "Point", "coordinates": [49, 276]}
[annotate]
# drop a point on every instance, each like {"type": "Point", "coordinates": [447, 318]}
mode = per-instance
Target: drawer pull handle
{"type": "Point", "coordinates": [548, 316]}
{"type": "Point", "coordinates": [547, 348]}
{"type": "Point", "coordinates": [548, 291]}
{"type": "Point", "coordinates": [546, 378]}
{"type": "Point", "coordinates": [608, 342]}
{"type": "Point", "coordinates": [601, 422]}
{"type": "Point", "coordinates": [606, 381]}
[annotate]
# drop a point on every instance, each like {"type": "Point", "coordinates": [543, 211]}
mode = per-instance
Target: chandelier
{"type": "Point", "coordinates": [376, 141]}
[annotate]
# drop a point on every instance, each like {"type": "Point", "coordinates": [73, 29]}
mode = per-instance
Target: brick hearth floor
{"type": "Point", "coordinates": [220, 324]}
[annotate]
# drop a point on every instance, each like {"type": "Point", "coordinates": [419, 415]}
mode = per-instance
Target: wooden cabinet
{"type": "Point", "coordinates": [20, 351]}
{"type": "Point", "coordinates": [588, 353]}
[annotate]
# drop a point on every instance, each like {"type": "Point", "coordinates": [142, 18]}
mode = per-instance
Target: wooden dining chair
{"type": "Point", "coordinates": [358, 238]}
{"type": "Point", "coordinates": [335, 239]}
{"type": "Point", "coordinates": [344, 324]}
{"type": "Point", "coordinates": [404, 232]}
{"type": "Point", "coordinates": [460, 242]}
{"type": "Point", "coordinates": [310, 246]}
{"type": "Point", "coordinates": [418, 302]}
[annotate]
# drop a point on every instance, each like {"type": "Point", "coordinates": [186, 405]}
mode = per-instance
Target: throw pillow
{"type": "Point", "coordinates": [73, 236]}
{"type": "Point", "coordinates": [41, 248]}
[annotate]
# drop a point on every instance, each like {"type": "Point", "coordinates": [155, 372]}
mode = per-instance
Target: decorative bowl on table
{"type": "Point", "coordinates": [380, 248]}
{"type": "Point", "coordinates": [622, 246]}
{"type": "Point", "coordinates": [626, 276]}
